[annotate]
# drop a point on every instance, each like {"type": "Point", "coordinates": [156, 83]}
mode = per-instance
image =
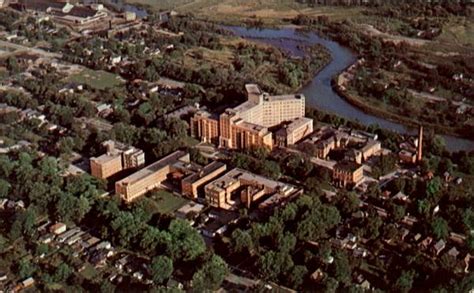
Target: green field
{"type": "Point", "coordinates": [161, 4]}
{"type": "Point", "coordinates": [272, 11]}
{"type": "Point", "coordinates": [460, 33]}
{"type": "Point", "coordinates": [97, 79]}
{"type": "Point", "coordinates": [164, 202]}
{"type": "Point", "coordinates": [89, 272]}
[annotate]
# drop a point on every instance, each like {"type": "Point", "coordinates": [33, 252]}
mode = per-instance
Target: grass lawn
{"type": "Point", "coordinates": [164, 202]}
{"type": "Point", "coordinates": [191, 141]}
{"type": "Point", "coordinates": [460, 33]}
{"type": "Point", "coordinates": [54, 287]}
{"type": "Point", "coordinates": [96, 78]}
{"type": "Point", "coordinates": [89, 272]}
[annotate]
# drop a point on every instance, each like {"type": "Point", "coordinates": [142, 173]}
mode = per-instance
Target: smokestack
{"type": "Point", "coordinates": [419, 154]}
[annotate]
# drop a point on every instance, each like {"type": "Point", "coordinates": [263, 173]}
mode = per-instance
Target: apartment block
{"type": "Point", "coordinates": [149, 177]}
{"type": "Point", "coordinates": [117, 158]}
{"type": "Point", "coordinates": [239, 187]}
{"type": "Point", "coordinates": [247, 124]}
{"type": "Point", "coordinates": [205, 126]}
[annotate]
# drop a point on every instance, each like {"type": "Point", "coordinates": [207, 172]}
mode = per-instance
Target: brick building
{"type": "Point", "coordinates": [149, 177]}
{"type": "Point", "coordinates": [347, 174]}
{"type": "Point", "coordinates": [117, 158]}
{"type": "Point", "coordinates": [247, 124]}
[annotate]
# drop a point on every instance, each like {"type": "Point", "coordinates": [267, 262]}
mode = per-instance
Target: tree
{"type": "Point", "coordinates": [211, 275]}
{"type": "Point", "coordinates": [3, 243]}
{"type": "Point", "coordinates": [149, 238]}
{"type": "Point", "coordinates": [373, 224]}
{"type": "Point", "coordinates": [440, 228]}
{"type": "Point", "coordinates": [423, 207]}
{"type": "Point", "coordinates": [398, 212]}
{"type": "Point", "coordinates": [126, 228]}
{"type": "Point", "coordinates": [349, 202]}
{"type": "Point", "coordinates": [6, 166]}
{"type": "Point", "coordinates": [197, 157]}
{"type": "Point", "coordinates": [63, 272]}
{"type": "Point", "coordinates": [468, 219]}
{"type": "Point", "coordinates": [126, 133]}
{"type": "Point", "coordinates": [12, 65]}
{"type": "Point", "coordinates": [341, 269]}
{"type": "Point", "coordinates": [433, 187]}
{"type": "Point", "coordinates": [25, 269]}
{"type": "Point", "coordinates": [175, 127]}
{"type": "Point", "coordinates": [286, 242]}
{"type": "Point", "coordinates": [4, 188]}
{"type": "Point", "coordinates": [162, 268]}
{"type": "Point", "coordinates": [330, 284]}
{"type": "Point", "coordinates": [186, 243]}
{"type": "Point", "coordinates": [65, 146]}
{"type": "Point", "coordinates": [405, 281]}
{"type": "Point", "coordinates": [41, 248]}
{"type": "Point", "coordinates": [272, 264]}
{"type": "Point", "coordinates": [297, 275]}
{"type": "Point", "coordinates": [242, 240]}
{"type": "Point", "coordinates": [437, 145]}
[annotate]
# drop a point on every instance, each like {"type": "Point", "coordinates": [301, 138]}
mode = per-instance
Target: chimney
{"type": "Point", "coordinates": [419, 154]}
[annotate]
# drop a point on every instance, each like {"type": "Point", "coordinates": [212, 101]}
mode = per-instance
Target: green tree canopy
{"type": "Point", "coordinates": [162, 268]}
{"type": "Point", "coordinates": [211, 275]}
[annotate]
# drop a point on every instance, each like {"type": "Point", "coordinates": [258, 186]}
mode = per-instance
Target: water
{"type": "Point", "coordinates": [319, 92]}
{"type": "Point", "coordinates": [141, 13]}
{"type": "Point", "coordinates": [120, 5]}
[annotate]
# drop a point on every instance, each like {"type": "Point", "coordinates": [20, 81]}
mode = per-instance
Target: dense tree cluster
{"type": "Point", "coordinates": [272, 243]}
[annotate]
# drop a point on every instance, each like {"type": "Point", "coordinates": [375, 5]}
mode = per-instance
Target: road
{"type": "Point", "coordinates": [372, 31]}
{"type": "Point", "coordinates": [17, 47]}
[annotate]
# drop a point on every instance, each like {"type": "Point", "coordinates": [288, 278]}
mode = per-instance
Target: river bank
{"type": "Point", "coordinates": [320, 92]}
{"type": "Point", "coordinates": [369, 109]}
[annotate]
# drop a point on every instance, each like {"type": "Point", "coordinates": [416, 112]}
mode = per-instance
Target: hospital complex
{"type": "Point", "coordinates": [248, 124]}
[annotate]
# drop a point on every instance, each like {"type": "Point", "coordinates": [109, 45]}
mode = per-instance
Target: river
{"type": "Point", "coordinates": [319, 92]}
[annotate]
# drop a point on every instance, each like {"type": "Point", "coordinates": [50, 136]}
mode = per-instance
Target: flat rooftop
{"type": "Point", "coordinates": [370, 143]}
{"type": "Point", "coordinates": [190, 207]}
{"type": "Point", "coordinates": [206, 170]}
{"type": "Point", "coordinates": [106, 157]}
{"type": "Point", "coordinates": [251, 126]}
{"type": "Point", "coordinates": [238, 174]}
{"type": "Point", "coordinates": [150, 169]}
{"type": "Point", "coordinates": [253, 89]}
{"type": "Point", "coordinates": [294, 125]}
{"type": "Point", "coordinates": [204, 113]}
{"type": "Point", "coordinates": [347, 165]}
{"type": "Point", "coordinates": [283, 98]}
{"type": "Point", "coordinates": [245, 106]}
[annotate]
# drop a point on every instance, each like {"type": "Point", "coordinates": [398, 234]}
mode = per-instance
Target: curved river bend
{"type": "Point", "coordinates": [319, 92]}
